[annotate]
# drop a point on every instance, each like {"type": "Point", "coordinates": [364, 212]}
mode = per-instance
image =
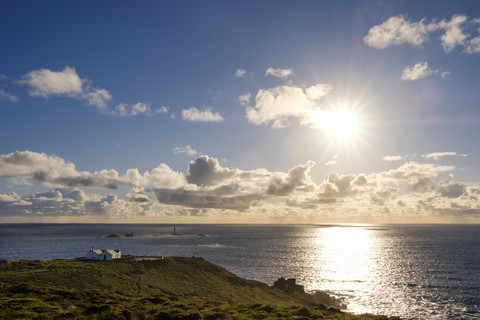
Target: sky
{"type": "Point", "coordinates": [240, 111]}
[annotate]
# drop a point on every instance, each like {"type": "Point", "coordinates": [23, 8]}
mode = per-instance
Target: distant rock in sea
{"type": "Point", "coordinates": [113, 235]}
{"type": "Point", "coordinates": [130, 235]}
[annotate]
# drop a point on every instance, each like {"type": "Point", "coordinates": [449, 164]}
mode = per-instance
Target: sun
{"type": "Point", "coordinates": [339, 124]}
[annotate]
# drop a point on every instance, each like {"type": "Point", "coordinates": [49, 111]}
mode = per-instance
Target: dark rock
{"type": "Point", "coordinates": [130, 235]}
{"type": "Point", "coordinates": [303, 312]}
{"type": "Point", "coordinates": [333, 309]}
{"type": "Point", "coordinates": [288, 285]}
{"type": "Point", "coordinates": [96, 309]}
{"type": "Point", "coordinates": [321, 306]}
{"type": "Point", "coordinates": [113, 235]}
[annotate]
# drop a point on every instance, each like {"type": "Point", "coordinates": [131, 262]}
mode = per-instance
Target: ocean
{"type": "Point", "coordinates": [411, 271]}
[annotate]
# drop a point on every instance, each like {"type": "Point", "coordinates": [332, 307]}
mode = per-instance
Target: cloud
{"type": "Point", "coordinates": [5, 96]}
{"type": "Point", "coordinates": [318, 91]}
{"type": "Point", "coordinates": [46, 83]}
{"type": "Point", "coordinates": [244, 99]}
{"type": "Point", "coordinates": [473, 45]}
{"type": "Point", "coordinates": [53, 171]}
{"type": "Point", "coordinates": [419, 71]}
{"type": "Point", "coordinates": [280, 73]}
{"type": "Point", "coordinates": [206, 171]}
{"type": "Point", "coordinates": [205, 199]}
{"type": "Point", "coordinates": [125, 110]}
{"type": "Point", "coordinates": [333, 161]}
{"type": "Point", "coordinates": [392, 158]}
{"type": "Point", "coordinates": [215, 187]}
{"type": "Point", "coordinates": [240, 73]}
{"type": "Point", "coordinates": [413, 170]}
{"type": "Point", "coordinates": [296, 180]}
{"type": "Point", "coordinates": [453, 35]}
{"type": "Point", "coordinates": [187, 150]}
{"type": "Point", "coordinates": [195, 115]}
{"type": "Point", "coordinates": [162, 109]}
{"type": "Point", "coordinates": [210, 190]}
{"type": "Point", "coordinates": [395, 31]}
{"type": "Point", "coordinates": [76, 204]}
{"type": "Point", "coordinates": [437, 155]}
{"type": "Point", "coordinates": [277, 105]}
{"type": "Point", "coordinates": [398, 30]}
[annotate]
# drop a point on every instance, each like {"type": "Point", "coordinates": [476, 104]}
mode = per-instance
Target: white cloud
{"type": "Point", "coordinates": [162, 109]}
{"type": "Point", "coordinates": [187, 150]}
{"type": "Point", "coordinates": [280, 73]}
{"type": "Point", "coordinates": [392, 158]}
{"type": "Point", "coordinates": [413, 170]}
{"type": "Point", "coordinates": [244, 99]}
{"type": "Point", "coordinates": [318, 91]}
{"type": "Point", "coordinates": [333, 161]}
{"type": "Point", "coordinates": [396, 30]}
{"type": "Point", "coordinates": [125, 110]}
{"type": "Point", "coordinates": [46, 83]}
{"type": "Point", "coordinates": [195, 115]}
{"type": "Point", "coordinates": [277, 105]}
{"type": "Point", "coordinates": [240, 73]}
{"type": "Point", "coordinates": [473, 46]}
{"type": "Point", "coordinates": [453, 35]}
{"type": "Point", "coordinates": [5, 96]}
{"type": "Point", "coordinates": [3, 77]}
{"type": "Point", "coordinates": [437, 155]}
{"type": "Point", "coordinates": [419, 71]}
{"type": "Point", "coordinates": [98, 97]}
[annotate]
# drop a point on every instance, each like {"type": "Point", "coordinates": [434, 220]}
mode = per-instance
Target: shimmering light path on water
{"type": "Point", "coordinates": [417, 272]}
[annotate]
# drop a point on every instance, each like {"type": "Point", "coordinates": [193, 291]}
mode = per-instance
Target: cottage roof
{"type": "Point", "coordinates": [111, 251]}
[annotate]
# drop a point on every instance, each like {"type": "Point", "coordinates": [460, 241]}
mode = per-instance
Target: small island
{"type": "Point", "coordinates": [113, 235]}
{"type": "Point", "coordinates": [152, 288]}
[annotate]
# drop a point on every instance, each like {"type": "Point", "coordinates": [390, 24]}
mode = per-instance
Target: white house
{"type": "Point", "coordinates": [108, 254]}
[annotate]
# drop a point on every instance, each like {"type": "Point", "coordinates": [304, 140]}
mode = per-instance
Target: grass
{"type": "Point", "coordinates": [130, 288]}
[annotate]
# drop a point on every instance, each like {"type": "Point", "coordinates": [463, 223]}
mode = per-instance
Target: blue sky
{"type": "Point", "coordinates": [240, 111]}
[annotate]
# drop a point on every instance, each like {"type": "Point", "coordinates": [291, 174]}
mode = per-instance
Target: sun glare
{"type": "Point", "coordinates": [340, 125]}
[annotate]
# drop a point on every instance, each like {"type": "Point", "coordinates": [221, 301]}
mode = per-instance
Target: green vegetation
{"type": "Point", "coordinates": [136, 288]}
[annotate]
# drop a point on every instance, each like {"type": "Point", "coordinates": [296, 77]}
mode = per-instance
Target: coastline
{"type": "Point", "coordinates": [152, 288]}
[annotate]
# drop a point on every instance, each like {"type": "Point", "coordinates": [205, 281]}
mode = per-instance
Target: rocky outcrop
{"type": "Point", "coordinates": [288, 285]}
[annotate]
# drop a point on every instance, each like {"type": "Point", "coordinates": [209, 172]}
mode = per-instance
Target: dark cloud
{"type": "Point", "coordinates": [205, 199]}
{"type": "Point", "coordinates": [206, 171]}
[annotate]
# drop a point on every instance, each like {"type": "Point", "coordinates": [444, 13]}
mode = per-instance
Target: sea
{"type": "Point", "coordinates": [410, 271]}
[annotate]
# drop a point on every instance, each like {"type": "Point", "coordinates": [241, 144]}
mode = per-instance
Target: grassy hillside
{"type": "Point", "coordinates": [135, 288]}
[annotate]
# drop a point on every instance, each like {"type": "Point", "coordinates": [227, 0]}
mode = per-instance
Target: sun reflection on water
{"type": "Point", "coordinates": [346, 254]}
{"type": "Point", "coordinates": [343, 262]}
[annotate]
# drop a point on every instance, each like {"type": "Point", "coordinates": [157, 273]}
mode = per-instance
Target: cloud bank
{"type": "Point", "coordinates": [412, 190]}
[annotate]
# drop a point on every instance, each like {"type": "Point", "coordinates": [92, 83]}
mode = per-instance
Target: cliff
{"type": "Point", "coordinates": [151, 288]}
